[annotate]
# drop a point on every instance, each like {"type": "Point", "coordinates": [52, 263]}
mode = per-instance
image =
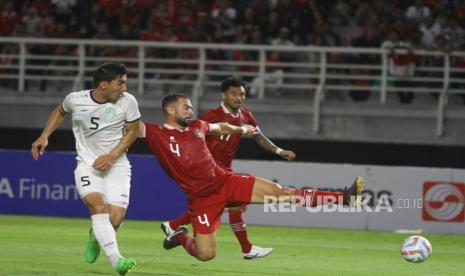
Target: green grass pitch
{"type": "Point", "coordinates": [55, 246]}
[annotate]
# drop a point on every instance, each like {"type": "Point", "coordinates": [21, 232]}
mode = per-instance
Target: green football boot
{"type": "Point", "coordinates": [92, 249]}
{"type": "Point", "coordinates": [125, 265]}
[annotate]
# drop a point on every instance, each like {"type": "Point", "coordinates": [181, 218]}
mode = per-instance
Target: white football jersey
{"type": "Point", "coordinates": [98, 127]}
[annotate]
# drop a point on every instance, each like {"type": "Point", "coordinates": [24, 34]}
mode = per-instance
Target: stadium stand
{"type": "Point", "coordinates": [364, 71]}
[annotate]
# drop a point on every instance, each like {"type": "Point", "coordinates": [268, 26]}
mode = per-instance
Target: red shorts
{"type": "Point", "coordinates": [206, 210]}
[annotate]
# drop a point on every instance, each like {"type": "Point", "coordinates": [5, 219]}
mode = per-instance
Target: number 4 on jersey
{"type": "Point", "coordinates": [175, 149]}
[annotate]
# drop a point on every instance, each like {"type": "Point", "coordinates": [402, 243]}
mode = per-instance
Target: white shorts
{"type": "Point", "coordinates": [114, 184]}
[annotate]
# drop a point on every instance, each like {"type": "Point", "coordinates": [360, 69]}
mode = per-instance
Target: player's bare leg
{"type": "Point", "coordinates": [117, 215]}
{"type": "Point", "coordinates": [104, 233]}
{"type": "Point", "coordinates": [206, 246]}
{"type": "Point", "coordinates": [264, 188]}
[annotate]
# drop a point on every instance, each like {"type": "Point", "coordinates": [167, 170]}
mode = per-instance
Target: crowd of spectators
{"type": "Point", "coordinates": [362, 23]}
{"type": "Point", "coordinates": [411, 24]}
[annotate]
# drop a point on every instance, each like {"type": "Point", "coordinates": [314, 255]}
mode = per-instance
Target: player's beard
{"type": "Point", "coordinates": [184, 122]}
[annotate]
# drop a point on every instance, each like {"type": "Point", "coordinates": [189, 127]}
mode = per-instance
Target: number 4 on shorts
{"type": "Point", "coordinates": [203, 219]}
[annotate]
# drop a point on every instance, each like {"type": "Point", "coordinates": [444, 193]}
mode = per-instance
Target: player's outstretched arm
{"type": "Point", "coordinates": [226, 129]}
{"type": "Point", "coordinates": [104, 162]}
{"type": "Point", "coordinates": [54, 120]}
{"type": "Point", "coordinates": [141, 129]}
{"type": "Point", "coordinates": [266, 144]}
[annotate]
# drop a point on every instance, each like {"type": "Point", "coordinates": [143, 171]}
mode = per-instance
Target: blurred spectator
{"type": "Point", "coordinates": [323, 36]}
{"type": "Point", "coordinates": [429, 32]}
{"type": "Point", "coordinates": [418, 11]}
{"type": "Point", "coordinates": [32, 21]}
{"type": "Point", "coordinates": [102, 32]}
{"type": "Point", "coordinates": [224, 15]}
{"type": "Point", "coordinates": [399, 26]}
{"type": "Point", "coordinates": [9, 19]}
{"type": "Point", "coordinates": [401, 65]}
{"type": "Point", "coordinates": [272, 26]}
{"type": "Point", "coordinates": [364, 10]}
{"type": "Point", "coordinates": [126, 33]}
{"type": "Point", "coordinates": [63, 9]}
{"type": "Point", "coordinates": [370, 38]}
{"type": "Point", "coordinates": [455, 33]}
{"type": "Point", "coordinates": [48, 25]}
{"type": "Point", "coordinates": [283, 38]}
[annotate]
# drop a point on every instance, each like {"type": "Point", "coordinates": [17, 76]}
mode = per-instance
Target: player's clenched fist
{"type": "Point", "coordinates": [288, 155]}
{"type": "Point", "coordinates": [104, 162]}
{"type": "Point", "coordinates": [38, 147]}
{"type": "Point", "coordinates": [248, 130]}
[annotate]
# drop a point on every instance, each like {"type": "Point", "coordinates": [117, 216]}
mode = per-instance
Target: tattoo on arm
{"type": "Point", "coordinates": [264, 142]}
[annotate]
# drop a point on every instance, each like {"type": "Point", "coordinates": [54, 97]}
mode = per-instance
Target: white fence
{"type": "Point", "coordinates": [302, 70]}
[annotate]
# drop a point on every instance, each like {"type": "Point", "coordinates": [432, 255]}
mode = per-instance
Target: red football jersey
{"type": "Point", "coordinates": [185, 157]}
{"type": "Point", "coordinates": [224, 147]}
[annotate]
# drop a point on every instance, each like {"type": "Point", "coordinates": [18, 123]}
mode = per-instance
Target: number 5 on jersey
{"type": "Point", "coordinates": [94, 122]}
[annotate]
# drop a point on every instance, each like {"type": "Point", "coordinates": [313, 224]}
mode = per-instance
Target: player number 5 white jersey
{"type": "Point", "coordinates": [98, 127]}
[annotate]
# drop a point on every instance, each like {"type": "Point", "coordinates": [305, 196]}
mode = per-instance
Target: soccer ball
{"type": "Point", "coordinates": [416, 249]}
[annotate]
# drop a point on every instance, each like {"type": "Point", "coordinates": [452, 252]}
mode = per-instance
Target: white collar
{"type": "Point", "coordinates": [226, 111]}
{"type": "Point", "coordinates": [165, 125]}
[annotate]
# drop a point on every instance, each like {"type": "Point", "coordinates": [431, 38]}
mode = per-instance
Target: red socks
{"type": "Point", "coordinates": [239, 228]}
{"type": "Point", "coordinates": [313, 198]}
{"type": "Point", "coordinates": [188, 243]}
{"type": "Point", "coordinates": [181, 220]}
{"type": "Point", "coordinates": [236, 221]}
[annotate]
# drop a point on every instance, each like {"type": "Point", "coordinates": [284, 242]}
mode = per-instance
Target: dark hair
{"type": "Point", "coordinates": [171, 98]}
{"type": "Point", "coordinates": [233, 81]}
{"type": "Point", "coordinates": [108, 71]}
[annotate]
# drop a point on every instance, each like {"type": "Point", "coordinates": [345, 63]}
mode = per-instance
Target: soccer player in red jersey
{"type": "Point", "coordinates": [182, 151]}
{"type": "Point", "coordinates": [223, 149]}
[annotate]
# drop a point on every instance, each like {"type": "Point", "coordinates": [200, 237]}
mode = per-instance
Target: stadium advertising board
{"type": "Point", "coordinates": [46, 187]}
{"type": "Point", "coordinates": [396, 198]}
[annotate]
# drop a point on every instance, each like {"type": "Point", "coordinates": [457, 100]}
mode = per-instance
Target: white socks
{"type": "Point", "coordinates": [106, 236]}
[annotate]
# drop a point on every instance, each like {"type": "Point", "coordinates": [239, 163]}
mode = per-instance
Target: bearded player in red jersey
{"type": "Point", "coordinates": [182, 151]}
{"type": "Point", "coordinates": [223, 148]}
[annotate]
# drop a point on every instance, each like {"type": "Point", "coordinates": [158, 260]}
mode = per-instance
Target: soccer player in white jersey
{"type": "Point", "coordinates": [105, 123]}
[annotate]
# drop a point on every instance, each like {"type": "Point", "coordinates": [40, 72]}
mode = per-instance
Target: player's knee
{"type": "Point", "coordinates": [97, 208]}
{"type": "Point", "coordinates": [278, 190]}
{"type": "Point", "coordinates": [206, 255]}
{"type": "Point", "coordinates": [286, 191]}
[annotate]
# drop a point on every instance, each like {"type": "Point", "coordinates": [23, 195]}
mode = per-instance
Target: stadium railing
{"type": "Point", "coordinates": [298, 70]}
